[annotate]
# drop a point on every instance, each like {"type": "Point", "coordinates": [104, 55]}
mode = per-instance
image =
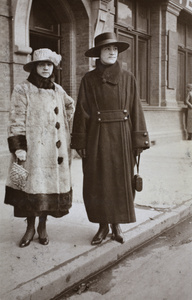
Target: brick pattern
{"type": "Point", "coordinates": [73, 45]}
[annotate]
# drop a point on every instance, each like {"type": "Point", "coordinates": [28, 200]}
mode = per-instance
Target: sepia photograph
{"type": "Point", "coordinates": [96, 150]}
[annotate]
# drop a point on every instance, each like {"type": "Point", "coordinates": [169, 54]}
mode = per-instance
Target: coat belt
{"type": "Point", "coordinates": [112, 116]}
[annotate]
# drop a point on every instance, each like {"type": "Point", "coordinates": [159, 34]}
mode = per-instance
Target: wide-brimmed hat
{"type": "Point", "coordinates": [104, 39]}
{"type": "Point", "coordinates": [43, 54]}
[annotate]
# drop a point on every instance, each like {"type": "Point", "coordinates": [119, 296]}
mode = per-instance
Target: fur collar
{"type": "Point", "coordinates": [41, 82]}
{"type": "Point", "coordinates": [108, 73]}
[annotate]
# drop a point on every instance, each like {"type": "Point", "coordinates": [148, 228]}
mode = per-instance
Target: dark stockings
{"type": "Point", "coordinates": [41, 229]}
{"type": "Point", "coordinates": [29, 234]}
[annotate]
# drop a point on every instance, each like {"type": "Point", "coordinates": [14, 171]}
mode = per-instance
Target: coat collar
{"type": "Point", "coordinates": [108, 73]}
{"type": "Point", "coordinates": [40, 82]}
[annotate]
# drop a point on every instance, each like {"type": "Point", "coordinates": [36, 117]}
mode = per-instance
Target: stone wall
{"type": "Point", "coordinates": [5, 69]}
{"type": "Point", "coordinates": [165, 125]}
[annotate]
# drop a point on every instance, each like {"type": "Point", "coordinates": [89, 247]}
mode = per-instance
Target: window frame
{"type": "Point", "coordinates": [186, 50]}
{"type": "Point", "coordinates": [47, 34]}
{"type": "Point", "coordinates": [137, 36]}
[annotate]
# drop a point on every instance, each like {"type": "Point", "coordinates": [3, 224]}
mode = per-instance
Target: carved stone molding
{"type": "Point", "coordinates": [21, 12]}
{"type": "Point", "coordinates": [172, 8]}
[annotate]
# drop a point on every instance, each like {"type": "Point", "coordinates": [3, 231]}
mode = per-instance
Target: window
{"type": "Point", "coordinates": [142, 17]}
{"type": "Point", "coordinates": [126, 58]}
{"type": "Point", "coordinates": [42, 18]}
{"type": "Point", "coordinates": [189, 36]}
{"type": "Point", "coordinates": [142, 68]}
{"type": "Point", "coordinates": [125, 12]}
{"type": "Point", "coordinates": [189, 68]}
{"type": "Point", "coordinates": [181, 81]}
{"type": "Point", "coordinates": [132, 26]}
{"type": "Point", "coordinates": [44, 29]}
{"type": "Point", "coordinates": [184, 61]}
{"type": "Point", "coordinates": [181, 33]}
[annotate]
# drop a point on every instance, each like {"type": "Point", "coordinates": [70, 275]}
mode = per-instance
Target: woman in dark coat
{"type": "Point", "coordinates": [109, 130]}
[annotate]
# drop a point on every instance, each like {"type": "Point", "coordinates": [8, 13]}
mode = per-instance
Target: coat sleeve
{"type": "Point", "coordinates": [81, 119]}
{"type": "Point", "coordinates": [188, 100]}
{"type": "Point", "coordinates": [17, 120]}
{"type": "Point", "coordinates": [69, 106]}
{"type": "Point", "coordinates": [140, 137]}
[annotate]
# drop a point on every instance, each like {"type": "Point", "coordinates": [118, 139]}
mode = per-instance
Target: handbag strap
{"type": "Point", "coordinates": [137, 162]}
{"type": "Point", "coordinates": [17, 161]}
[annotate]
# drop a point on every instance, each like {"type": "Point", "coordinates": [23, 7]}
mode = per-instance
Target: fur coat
{"type": "Point", "coordinates": [39, 124]}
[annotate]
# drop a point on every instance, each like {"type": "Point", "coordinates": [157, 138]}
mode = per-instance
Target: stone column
{"type": "Point", "coordinates": [155, 55]}
{"type": "Point", "coordinates": [20, 10]}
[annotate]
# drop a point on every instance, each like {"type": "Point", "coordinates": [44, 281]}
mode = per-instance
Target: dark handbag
{"type": "Point", "coordinates": [138, 181]}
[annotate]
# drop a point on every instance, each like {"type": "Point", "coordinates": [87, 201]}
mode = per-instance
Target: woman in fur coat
{"type": "Point", "coordinates": [109, 131]}
{"type": "Point", "coordinates": [39, 138]}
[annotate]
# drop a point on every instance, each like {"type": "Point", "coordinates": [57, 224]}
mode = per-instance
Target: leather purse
{"type": "Point", "coordinates": [138, 181]}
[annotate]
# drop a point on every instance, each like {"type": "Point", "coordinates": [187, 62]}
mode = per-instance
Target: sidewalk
{"type": "Point", "coordinates": [41, 272]}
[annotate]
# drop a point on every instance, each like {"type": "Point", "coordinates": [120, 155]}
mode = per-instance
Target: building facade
{"type": "Point", "coordinates": [160, 56]}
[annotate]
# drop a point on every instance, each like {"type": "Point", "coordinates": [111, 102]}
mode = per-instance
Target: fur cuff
{"type": "Point", "coordinates": [17, 142]}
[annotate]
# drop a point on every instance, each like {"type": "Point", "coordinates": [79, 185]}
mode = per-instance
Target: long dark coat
{"type": "Point", "coordinates": [109, 123]}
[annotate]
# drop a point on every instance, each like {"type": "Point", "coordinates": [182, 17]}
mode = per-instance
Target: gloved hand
{"type": "Point", "coordinates": [81, 152]}
{"type": "Point", "coordinates": [21, 154]}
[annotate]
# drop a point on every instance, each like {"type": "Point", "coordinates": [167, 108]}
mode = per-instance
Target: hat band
{"type": "Point", "coordinates": [108, 41]}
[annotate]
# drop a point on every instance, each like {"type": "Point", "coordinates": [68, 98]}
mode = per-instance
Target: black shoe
{"type": "Point", "coordinates": [117, 234]}
{"type": "Point", "coordinates": [27, 238]}
{"type": "Point", "coordinates": [43, 237]}
{"type": "Point", "coordinates": [44, 241]}
{"type": "Point", "coordinates": [101, 234]}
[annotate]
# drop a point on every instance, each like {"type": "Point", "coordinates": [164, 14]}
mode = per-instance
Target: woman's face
{"type": "Point", "coordinates": [109, 54]}
{"type": "Point", "coordinates": [45, 69]}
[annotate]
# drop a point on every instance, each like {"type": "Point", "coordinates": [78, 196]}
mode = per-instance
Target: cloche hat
{"type": "Point", "coordinates": [43, 54]}
{"type": "Point", "coordinates": [104, 39]}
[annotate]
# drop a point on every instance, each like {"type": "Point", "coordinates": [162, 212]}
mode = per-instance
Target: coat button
{"type": "Point", "coordinates": [104, 80]}
{"type": "Point", "coordinates": [56, 110]}
{"type": "Point", "coordinates": [145, 134]}
{"type": "Point", "coordinates": [98, 113]}
{"type": "Point", "coordinates": [125, 118]}
{"type": "Point", "coordinates": [57, 125]}
{"type": "Point", "coordinates": [60, 160]}
{"type": "Point", "coordinates": [146, 142]}
{"type": "Point", "coordinates": [125, 111]}
{"type": "Point", "coordinates": [58, 144]}
{"type": "Point", "coordinates": [99, 120]}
